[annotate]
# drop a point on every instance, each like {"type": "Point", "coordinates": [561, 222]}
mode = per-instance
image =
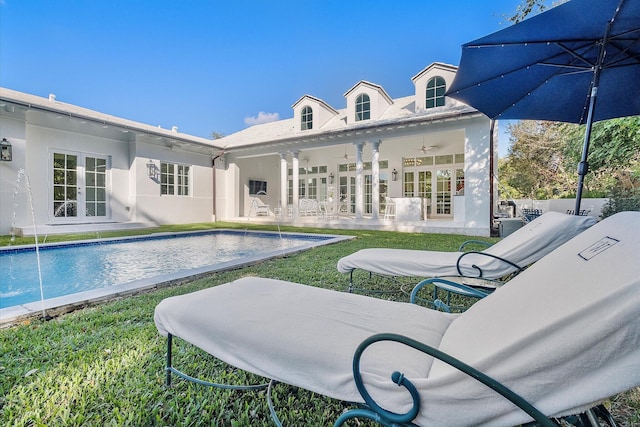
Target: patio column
{"type": "Point", "coordinates": [375, 176]}
{"type": "Point", "coordinates": [296, 180]}
{"type": "Point", "coordinates": [359, 180]}
{"type": "Point", "coordinates": [283, 183]}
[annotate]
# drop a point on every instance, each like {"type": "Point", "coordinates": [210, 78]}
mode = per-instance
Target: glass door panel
{"type": "Point", "coordinates": [79, 186]}
{"type": "Point", "coordinates": [408, 184]}
{"type": "Point", "coordinates": [443, 192]}
{"type": "Point", "coordinates": [368, 196]}
{"type": "Point", "coordinates": [425, 187]}
{"type": "Point", "coordinates": [95, 186]}
{"type": "Point", "coordinates": [65, 185]}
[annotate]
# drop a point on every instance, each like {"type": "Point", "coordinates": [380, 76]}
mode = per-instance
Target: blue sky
{"type": "Point", "coordinates": [208, 66]}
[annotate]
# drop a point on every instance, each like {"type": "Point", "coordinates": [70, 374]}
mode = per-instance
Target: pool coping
{"type": "Point", "coordinates": [56, 306]}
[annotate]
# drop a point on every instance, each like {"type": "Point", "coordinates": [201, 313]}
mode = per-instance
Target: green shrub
{"type": "Point", "coordinates": [621, 200]}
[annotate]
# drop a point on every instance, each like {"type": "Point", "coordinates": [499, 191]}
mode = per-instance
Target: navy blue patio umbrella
{"type": "Point", "coordinates": [578, 63]}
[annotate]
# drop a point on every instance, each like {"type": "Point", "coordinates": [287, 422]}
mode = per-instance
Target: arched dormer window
{"type": "Point", "coordinates": [306, 118]}
{"type": "Point", "coordinates": [363, 107]}
{"type": "Point", "coordinates": [436, 87]}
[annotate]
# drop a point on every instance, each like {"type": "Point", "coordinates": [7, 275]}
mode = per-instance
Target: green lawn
{"type": "Point", "coordinates": [104, 365]}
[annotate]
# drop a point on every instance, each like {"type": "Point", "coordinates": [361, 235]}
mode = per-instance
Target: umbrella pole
{"type": "Point", "coordinates": [583, 166]}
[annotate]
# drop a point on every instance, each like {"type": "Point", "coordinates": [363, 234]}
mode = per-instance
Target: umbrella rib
{"type": "Point", "coordinates": [575, 54]}
{"type": "Point", "coordinates": [623, 53]}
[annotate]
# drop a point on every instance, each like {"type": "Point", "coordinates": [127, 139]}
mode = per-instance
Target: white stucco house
{"type": "Point", "coordinates": [422, 162]}
{"type": "Point", "coordinates": [92, 171]}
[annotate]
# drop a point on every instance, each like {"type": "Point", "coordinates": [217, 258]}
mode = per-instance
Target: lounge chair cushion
{"type": "Point", "coordinates": [523, 247]}
{"type": "Point", "coordinates": [302, 335]}
{"type": "Point", "coordinates": [564, 333]}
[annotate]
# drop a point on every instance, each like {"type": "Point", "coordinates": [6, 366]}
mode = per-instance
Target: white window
{"type": "Point", "coordinates": [363, 107]}
{"type": "Point", "coordinates": [306, 119]}
{"type": "Point", "coordinates": [436, 87]}
{"type": "Point", "coordinates": [174, 179]}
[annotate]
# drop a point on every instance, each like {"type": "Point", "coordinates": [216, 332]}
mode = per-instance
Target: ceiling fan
{"type": "Point", "coordinates": [426, 148]}
{"type": "Point", "coordinates": [345, 156]}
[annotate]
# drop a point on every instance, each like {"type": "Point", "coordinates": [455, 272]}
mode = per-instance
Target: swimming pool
{"type": "Point", "coordinates": [111, 265]}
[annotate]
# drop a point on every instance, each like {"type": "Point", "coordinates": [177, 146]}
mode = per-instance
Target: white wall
{"type": "Point", "coordinates": [477, 175]}
{"type": "Point", "coordinates": [151, 206]}
{"type": "Point", "coordinates": [43, 142]}
{"type": "Point", "coordinates": [132, 195]}
{"type": "Point", "coordinates": [11, 202]}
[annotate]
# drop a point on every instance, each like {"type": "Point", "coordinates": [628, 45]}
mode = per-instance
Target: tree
{"type": "Point", "coordinates": [534, 166]}
{"type": "Point", "coordinates": [526, 8]}
{"type": "Point", "coordinates": [543, 158]}
{"type": "Point", "coordinates": [614, 152]}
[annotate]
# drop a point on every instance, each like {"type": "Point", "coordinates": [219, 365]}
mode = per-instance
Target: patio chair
{"type": "Point", "coordinates": [389, 208]}
{"type": "Point", "coordinates": [508, 256]}
{"type": "Point", "coordinates": [556, 340]}
{"type": "Point", "coordinates": [529, 214]}
{"type": "Point", "coordinates": [258, 208]}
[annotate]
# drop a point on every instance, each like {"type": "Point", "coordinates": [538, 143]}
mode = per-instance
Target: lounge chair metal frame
{"type": "Point", "coordinates": [170, 369]}
{"type": "Point", "coordinates": [459, 266]}
{"type": "Point", "coordinates": [371, 410]}
{"type": "Point", "coordinates": [452, 285]}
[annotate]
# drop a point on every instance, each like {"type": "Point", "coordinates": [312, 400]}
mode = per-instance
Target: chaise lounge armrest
{"type": "Point", "coordinates": [478, 269]}
{"type": "Point", "coordinates": [474, 242]}
{"type": "Point", "coordinates": [375, 412]}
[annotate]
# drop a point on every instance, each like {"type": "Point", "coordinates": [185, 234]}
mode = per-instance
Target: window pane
{"type": "Point", "coordinates": [91, 179]}
{"type": "Point", "coordinates": [58, 192]}
{"type": "Point", "coordinates": [58, 160]}
{"type": "Point", "coordinates": [58, 176]}
{"type": "Point", "coordinates": [444, 160]}
{"type": "Point", "coordinates": [424, 161]}
{"type": "Point", "coordinates": [72, 162]}
{"type": "Point", "coordinates": [71, 177]}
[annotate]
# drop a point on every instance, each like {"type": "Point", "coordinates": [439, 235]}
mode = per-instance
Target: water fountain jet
{"type": "Point", "coordinates": [22, 174]}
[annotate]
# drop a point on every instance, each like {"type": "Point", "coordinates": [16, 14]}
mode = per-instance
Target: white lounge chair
{"type": "Point", "coordinates": [556, 340]}
{"type": "Point", "coordinates": [511, 254]}
{"type": "Point", "coordinates": [258, 208]}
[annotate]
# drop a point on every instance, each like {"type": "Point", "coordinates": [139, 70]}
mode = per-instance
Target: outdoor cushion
{"type": "Point", "coordinates": [523, 247]}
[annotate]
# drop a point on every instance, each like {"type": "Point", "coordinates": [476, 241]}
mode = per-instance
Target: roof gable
{"type": "Point", "coordinates": [321, 112]}
{"type": "Point", "coordinates": [369, 85]}
{"type": "Point", "coordinates": [435, 68]}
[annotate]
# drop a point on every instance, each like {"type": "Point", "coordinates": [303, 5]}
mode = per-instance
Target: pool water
{"type": "Point", "coordinates": [75, 267]}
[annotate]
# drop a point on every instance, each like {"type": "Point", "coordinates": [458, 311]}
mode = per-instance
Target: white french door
{"type": "Point", "coordinates": [79, 186]}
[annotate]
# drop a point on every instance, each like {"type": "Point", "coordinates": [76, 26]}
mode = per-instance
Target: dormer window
{"type": "Point", "coordinates": [306, 118]}
{"type": "Point", "coordinates": [436, 87]}
{"type": "Point", "coordinates": [363, 107]}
